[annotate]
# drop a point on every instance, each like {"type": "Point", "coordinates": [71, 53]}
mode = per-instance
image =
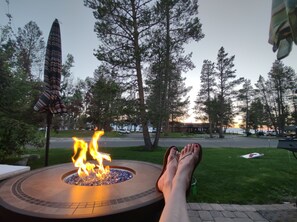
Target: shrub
{"type": "Point", "coordinates": [15, 135]}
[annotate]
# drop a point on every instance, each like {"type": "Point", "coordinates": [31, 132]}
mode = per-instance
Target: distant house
{"type": "Point", "coordinates": [189, 127]}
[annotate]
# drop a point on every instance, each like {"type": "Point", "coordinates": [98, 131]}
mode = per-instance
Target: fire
{"type": "Point", "coordinates": [79, 157]}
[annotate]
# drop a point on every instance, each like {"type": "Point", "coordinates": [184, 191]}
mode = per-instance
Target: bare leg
{"type": "Point", "coordinates": [175, 209]}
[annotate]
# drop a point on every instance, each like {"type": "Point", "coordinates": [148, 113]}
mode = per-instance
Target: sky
{"type": "Point", "coordinates": [240, 26]}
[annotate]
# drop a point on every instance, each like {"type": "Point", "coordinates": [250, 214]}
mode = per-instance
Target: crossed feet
{"type": "Point", "coordinates": [178, 168]}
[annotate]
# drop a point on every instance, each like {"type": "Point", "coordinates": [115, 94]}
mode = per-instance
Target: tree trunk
{"type": "Point", "coordinates": [247, 119]}
{"type": "Point", "coordinates": [157, 136]}
{"type": "Point", "coordinates": [221, 134]}
{"type": "Point", "coordinates": [166, 104]}
{"type": "Point", "coordinates": [143, 115]}
{"type": "Point", "coordinates": [210, 127]}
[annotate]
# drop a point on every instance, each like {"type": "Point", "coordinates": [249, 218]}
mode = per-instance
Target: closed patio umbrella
{"type": "Point", "coordinates": [283, 27]}
{"type": "Point", "coordinates": [50, 102]}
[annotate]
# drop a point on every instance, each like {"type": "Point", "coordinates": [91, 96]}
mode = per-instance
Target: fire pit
{"type": "Point", "coordinates": [45, 195]}
{"type": "Point", "coordinates": [120, 191]}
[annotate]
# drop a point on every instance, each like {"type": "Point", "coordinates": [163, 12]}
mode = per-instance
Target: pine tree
{"type": "Point", "coordinates": [226, 83]}
{"type": "Point", "coordinates": [123, 30]}
{"type": "Point", "coordinates": [178, 24]}
{"type": "Point", "coordinates": [127, 31]}
{"type": "Point", "coordinates": [105, 102]}
{"type": "Point", "coordinates": [274, 92]}
{"type": "Point", "coordinates": [204, 100]}
{"type": "Point", "coordinates": [17, 98]}
{"type": "Point", "coordinates": [30, 50]}
{"type": "Point", "coordinates": [245, 96]}
{"type": "Point", "coordinates": [257, 117]}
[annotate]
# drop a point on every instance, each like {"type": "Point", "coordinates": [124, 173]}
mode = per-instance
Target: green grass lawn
{"type": "Point", "coordinates": [223, 176]}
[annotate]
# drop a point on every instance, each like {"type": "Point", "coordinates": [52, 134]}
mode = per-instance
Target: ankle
{"type": "Point", "coordinates": [180, 182]}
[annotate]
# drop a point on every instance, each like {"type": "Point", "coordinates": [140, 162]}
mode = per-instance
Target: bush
{"type": "Point", "coordinates": [15, 135]}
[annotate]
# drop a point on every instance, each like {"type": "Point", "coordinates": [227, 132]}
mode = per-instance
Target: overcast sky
{"type": "Point", "coordinates": [240, 26]}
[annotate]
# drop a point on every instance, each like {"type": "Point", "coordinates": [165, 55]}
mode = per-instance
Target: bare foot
{"type": "Point", "coordinates": [188, 160]}
{"type": "Point", "coordinates": [164, 183]}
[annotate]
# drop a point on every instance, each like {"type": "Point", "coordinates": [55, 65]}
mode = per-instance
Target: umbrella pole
{"type": "Point", "coordinates": [48, 129]}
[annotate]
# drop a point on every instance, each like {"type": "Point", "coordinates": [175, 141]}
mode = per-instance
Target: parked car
{"type": "Point", "coordinates": [260, 133]}
{"type": "Point", "coordinates": [270, 133]}
{"type": "Point", "coordinates": [123, 131]}
{"type": "Point", "coordinates": [290, 134]}
{"type": "Point", "coordinates": [247, 133]}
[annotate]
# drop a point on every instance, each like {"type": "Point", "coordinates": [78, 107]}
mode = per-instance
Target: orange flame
{"type": "Point", "coordinates": [79, 157]}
